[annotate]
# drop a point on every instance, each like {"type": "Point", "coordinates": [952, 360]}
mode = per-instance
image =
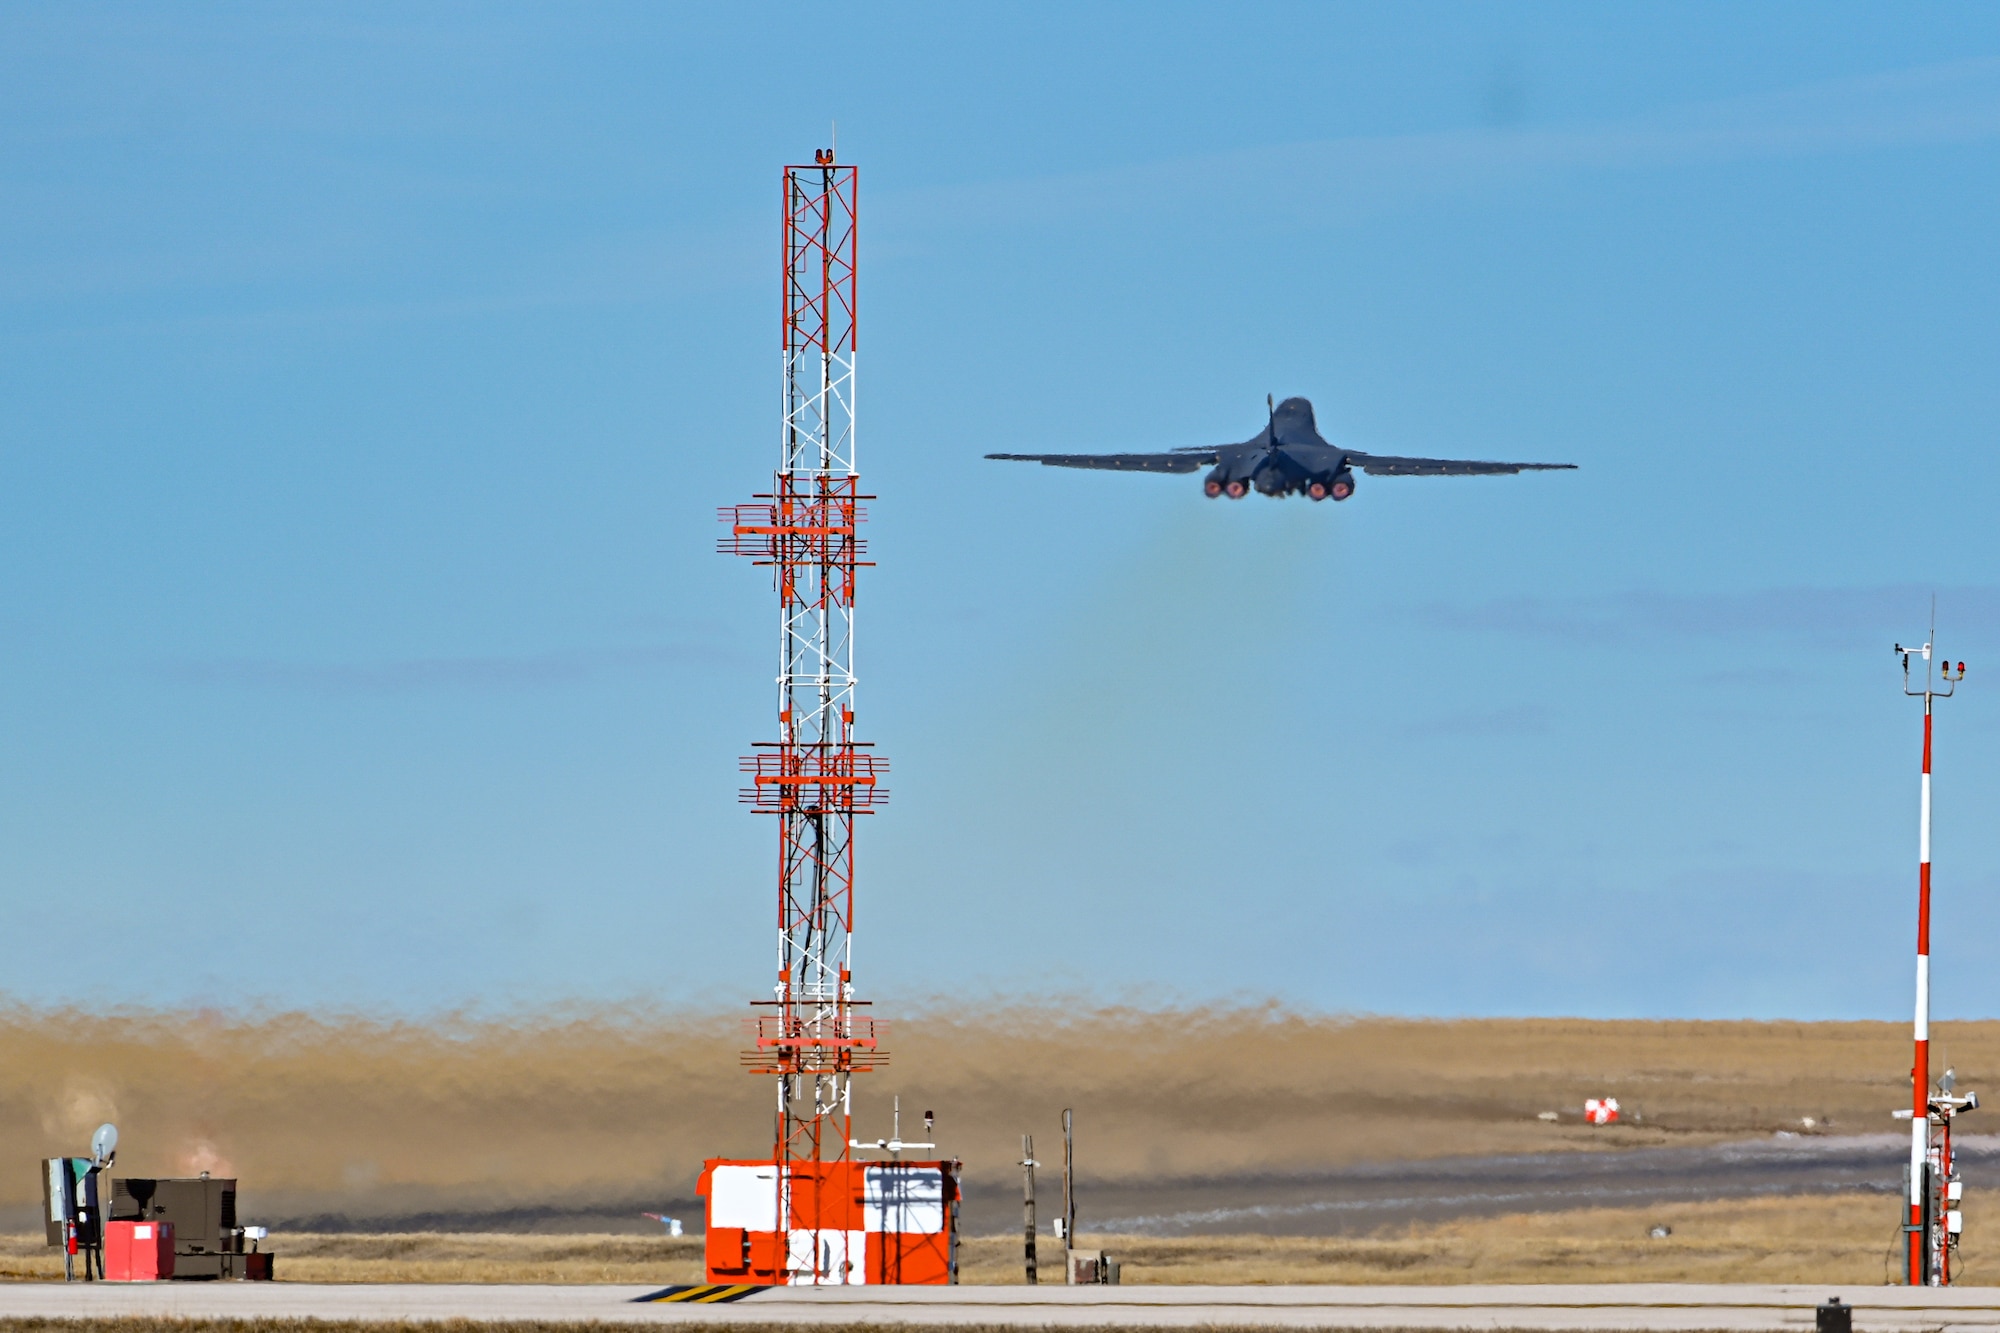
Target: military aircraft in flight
{"type": "Point", "coordinates": [1286, 457]}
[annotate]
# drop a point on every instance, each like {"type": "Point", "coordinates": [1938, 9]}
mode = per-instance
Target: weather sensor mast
{"type": "Point", "coordinates": [1934, 1185]}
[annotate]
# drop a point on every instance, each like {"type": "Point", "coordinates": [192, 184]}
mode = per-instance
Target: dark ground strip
{"type": "Point", "coordinates": [1361, 1199]}
{"type": "Point", "coordinates": [1350, 1201]}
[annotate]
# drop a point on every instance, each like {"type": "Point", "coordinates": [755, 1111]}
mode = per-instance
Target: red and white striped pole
{"type": "Point", "coordinates": [1920, 1072]}
{"type": "Point", "coordinates": [1921, 1270]}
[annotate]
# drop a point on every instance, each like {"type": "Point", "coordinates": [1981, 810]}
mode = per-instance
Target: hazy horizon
{"type": "Point", "coordinates": [604, 1115]}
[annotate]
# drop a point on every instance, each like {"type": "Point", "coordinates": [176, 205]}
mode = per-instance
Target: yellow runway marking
{"type": "Point", "coordinates": [704, 1294]}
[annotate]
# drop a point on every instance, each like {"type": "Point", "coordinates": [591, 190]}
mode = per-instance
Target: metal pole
{"type": "Point", "coordinates": [1028, 1204]}
{"type": "Point", "coordinates": [1069, 1199]}
{"type": "Point", "coordinates": [1942, 1249]}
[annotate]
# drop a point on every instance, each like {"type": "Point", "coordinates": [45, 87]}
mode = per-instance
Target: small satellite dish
{"type": "Point", "coordinates": [104, 1144]}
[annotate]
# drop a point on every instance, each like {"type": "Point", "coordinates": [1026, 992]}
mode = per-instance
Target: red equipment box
{"type": "Point", "coordinates": [138, 1251]}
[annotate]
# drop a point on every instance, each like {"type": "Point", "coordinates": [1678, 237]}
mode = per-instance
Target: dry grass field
{"type": "Point", "coordinates": [691, 1320]}
{"type": "Point", "coordinates": [531, 1325]}
{"type": "Point", "coordinates": [198, 1325]}
{"type": "Point", "coordinates": [1825, 1238]}
{"type": "Point", "coordinates": [345, 1120]}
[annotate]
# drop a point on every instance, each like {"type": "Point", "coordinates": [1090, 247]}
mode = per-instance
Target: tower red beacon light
{"type": "Point", "coordinates": [1935, 1189]}
{"type": "Point", "coordinates": [812, 1213]}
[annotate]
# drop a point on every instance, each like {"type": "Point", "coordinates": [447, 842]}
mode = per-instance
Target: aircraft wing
{"type": "Point", "coordinates": [1381, 465]}
{"type": "Point", "coordinates": [1185, 461]}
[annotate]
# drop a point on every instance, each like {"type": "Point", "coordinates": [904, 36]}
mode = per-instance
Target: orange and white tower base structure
{"type": "Point", "coordinates": [1935, 1189]}
{"type": "Point", "coordinates": [812, 1213]}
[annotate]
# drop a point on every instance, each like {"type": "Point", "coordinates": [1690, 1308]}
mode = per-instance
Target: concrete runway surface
{"type": "Point", "coordinates": [1662, 1306]}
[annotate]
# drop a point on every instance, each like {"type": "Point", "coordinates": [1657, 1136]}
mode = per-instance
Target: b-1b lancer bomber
{"type": "Point", "coordinates": [1286, 457]}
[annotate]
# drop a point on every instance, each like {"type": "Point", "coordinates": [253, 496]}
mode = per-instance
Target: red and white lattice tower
{"type": "Point", "coordinates": [815, 778]}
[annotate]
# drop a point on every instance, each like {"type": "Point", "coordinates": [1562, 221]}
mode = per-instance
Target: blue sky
{"type": "Point", "coordinates": [370, 375]}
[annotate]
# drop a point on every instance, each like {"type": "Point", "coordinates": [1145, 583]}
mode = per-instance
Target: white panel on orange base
{"type": "Point", "coordinates": [903, 1198]}
{"type": "Point", "coordinates": [743, 1196]}
{"type": "Point", "coordinates": [840, 1260]}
